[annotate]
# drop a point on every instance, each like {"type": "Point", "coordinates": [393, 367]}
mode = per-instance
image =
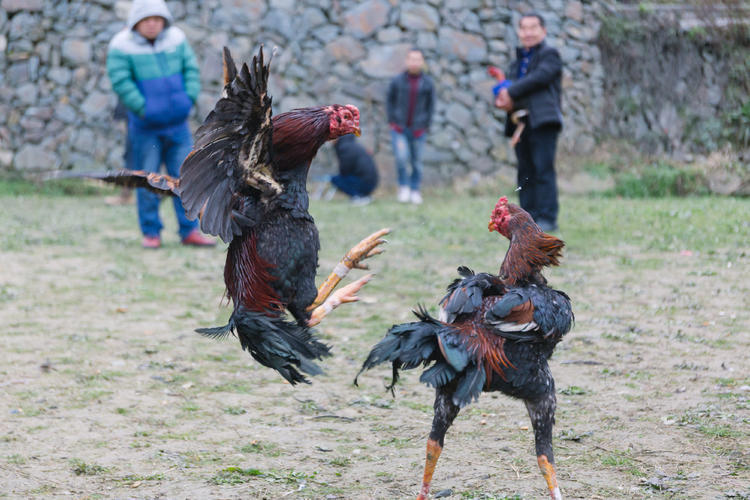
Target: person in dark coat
{"type": "Point", "coordinates": [410, 105]}
{"type": "Point", "coordinates": [534, 84]}
{"type": "Point", "coordinates": [358, 176]}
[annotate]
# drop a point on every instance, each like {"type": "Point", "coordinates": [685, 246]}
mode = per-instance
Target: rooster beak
{"type": "Point", "coordinates": [357, 132]}
{"type": "Point", "coordinates": [491, 226]}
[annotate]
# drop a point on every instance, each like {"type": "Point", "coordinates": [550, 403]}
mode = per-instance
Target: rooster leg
{"type": "Point", "coordinates": [365, 249]}
{"type": "Point", "coordinates": [542, 414]}
{"type": "Point", "coordinates": [342, 296]}
{"type": "Point", "coordinates": [445, 412]}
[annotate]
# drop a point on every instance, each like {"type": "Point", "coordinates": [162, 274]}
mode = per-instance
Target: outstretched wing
{"type": "Point", "coordinates": [157, 183]}
{"type": "Point", "coordinates": [232, 153]}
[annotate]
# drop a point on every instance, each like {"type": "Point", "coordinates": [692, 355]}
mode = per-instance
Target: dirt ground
{"type": "Point", "coordinates": [108, 393]}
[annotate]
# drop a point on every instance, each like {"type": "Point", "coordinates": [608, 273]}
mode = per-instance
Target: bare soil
{"type": "Point", "coordinates": [108, 393]}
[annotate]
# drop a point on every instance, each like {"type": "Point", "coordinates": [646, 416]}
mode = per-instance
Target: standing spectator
{"type": "Point", "coordinates": [154, 72]}
{"type": "Point", "coordinates": [534, 84]}
{"type": "Point", "coordinates": [358, 176]}
{"type": "Point", "coordinates": [410, 106]}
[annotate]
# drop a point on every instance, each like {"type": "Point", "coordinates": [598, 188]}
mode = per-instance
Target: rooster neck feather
{"type": "Point", "coordinates": [530, 251]}
{"type": "Point", "coordinates": [297, 136]}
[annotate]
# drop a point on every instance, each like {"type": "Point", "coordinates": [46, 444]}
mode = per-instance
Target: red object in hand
{"type": "Point", "coordinates": [496, 73]}
{"type": "Point", "coordinates": [396, 128]}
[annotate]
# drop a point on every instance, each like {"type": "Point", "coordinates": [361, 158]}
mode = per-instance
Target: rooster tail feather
{"type": "Point", "coordinates": [218, 332]}
{"type": "Point", "coordinates": [276, 343]}
{"type": "Point", "coordinates": [406, 346]}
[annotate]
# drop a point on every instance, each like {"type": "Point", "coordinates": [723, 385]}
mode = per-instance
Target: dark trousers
{"type": "Point", "coordinates": [353, 185]}
{"type": "Point", "coordinates": [536, 172]}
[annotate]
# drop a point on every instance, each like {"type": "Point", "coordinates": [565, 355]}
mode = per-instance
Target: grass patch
{"type": "Point", "coordinates": [660, 180]}
{"type": "Point", "coordinates": [267, 449]}
{"type": "Point", "coordinates": [573, 390]}
{"type": "Point", "coordinates": [340, 462]}
{"type": "Point", "coordinates": [81, 468]}
{"type": "Point", "coordinates": [238, 475]}
{"type": "Point", "coordinates": [235, 410]}
{"type": "Point", "coordinates": [235, 475]}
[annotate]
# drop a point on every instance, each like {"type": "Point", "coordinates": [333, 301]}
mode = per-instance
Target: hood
{"type": "Point", "coordinates": [142, 9]}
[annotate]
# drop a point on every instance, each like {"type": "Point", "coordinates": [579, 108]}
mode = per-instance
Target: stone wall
{"type": "Point", "coordinates": [678, 77]}
{"type": "Point", "coordinates": [58, 102]}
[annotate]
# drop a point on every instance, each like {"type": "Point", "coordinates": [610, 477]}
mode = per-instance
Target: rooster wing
{"type": "Point", "coordinates": [531, 314]}
{"type": "Point", "coordinates": [229, 172]}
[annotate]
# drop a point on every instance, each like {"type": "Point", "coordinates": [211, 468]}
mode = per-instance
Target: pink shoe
{"type": "Point", "coordinates": [152, 242]}
{"type": "Point", "coordinates": [196, 239]}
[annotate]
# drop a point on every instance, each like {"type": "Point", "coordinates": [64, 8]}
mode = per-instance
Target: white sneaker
{"type": "Point", "coordinates": [360, 201]}
{"type": "Point", "coordinates": [416, 198]}
{"type": "Point", "coordinates": [403, 194]}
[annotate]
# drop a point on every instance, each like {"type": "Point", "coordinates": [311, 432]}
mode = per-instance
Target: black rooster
{"type": "Point", "coordinates": [495, 333]}
{"type": "Point", "coordinates": [246, 179]}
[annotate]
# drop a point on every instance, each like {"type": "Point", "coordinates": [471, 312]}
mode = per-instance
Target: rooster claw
{"type": "Point", "coordinates": [349, 292]}
{"type": "Point", "coordinates": [366, 248]}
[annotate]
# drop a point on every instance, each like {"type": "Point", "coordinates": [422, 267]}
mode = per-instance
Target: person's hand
{"type": "Point", "coordinates": [496, 73]}
{"type": "Point", "coordinates": [504, 101]}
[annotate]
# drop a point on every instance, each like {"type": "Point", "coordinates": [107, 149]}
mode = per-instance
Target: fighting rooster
{"type": "Point", "coordinates": [246, 179]}
{"type": "Point", "coordinates": [495, 333]}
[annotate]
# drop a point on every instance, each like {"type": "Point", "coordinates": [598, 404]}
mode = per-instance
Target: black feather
{"type": "Point", "coordinates": [469, 386]}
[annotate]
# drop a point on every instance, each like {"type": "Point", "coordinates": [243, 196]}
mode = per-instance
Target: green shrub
{"type": "Point", "coordinates": [659, 180]}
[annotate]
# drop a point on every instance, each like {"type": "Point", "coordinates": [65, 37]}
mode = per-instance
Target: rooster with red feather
{"type": "Point", "coordinates": [495, 333]}
{"type": "Point", "coordinates": [246, 179]}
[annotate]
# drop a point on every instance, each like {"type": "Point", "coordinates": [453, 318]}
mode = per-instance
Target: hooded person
{"type": "Point", "coordinates": [358, 175]}
{"type": "Point", "coordinates": [155, 74]}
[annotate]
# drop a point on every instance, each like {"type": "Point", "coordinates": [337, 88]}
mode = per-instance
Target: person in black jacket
{"type": "Point", "coordinates": [534, 84]}
{"type": "Point", "coordinates": [358, 176]}
{"type": "Point", "coordinates": [410, 104]}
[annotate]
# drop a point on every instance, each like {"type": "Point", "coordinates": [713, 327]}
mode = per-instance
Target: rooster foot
{"type": "Point", "coordinates": [365, 249]}
{"type": "Point", "coordinates": [342, 296]}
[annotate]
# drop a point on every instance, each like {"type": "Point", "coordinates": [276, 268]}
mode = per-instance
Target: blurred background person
{"type": "Point", "coordinates": [534, 83]}
{"type": "Point", "coordinates": [358, 175]}
{"type": "Point", "coordinates": [410, 105]}
{"type": "Point", "coordinates": [154, 72]}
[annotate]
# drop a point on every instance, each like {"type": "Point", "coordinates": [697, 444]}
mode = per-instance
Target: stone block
{"type": "Point", "coordinates": [59, 75]}
{"type": "Point", "coordinates": [346, 49]}
{"type": "Point", "coordinates": [467, 47]}
{"type": "Point", "coordinates": [458, 115]}
{"type": "Point", "coordinates": [385, 60]}
{"type": "Point", "coordinates": [35, 157]}
{"type": "Point", "coordinates": [27, 94]}
{"type": "Point", "coordinates": [6, 158]}
{"type": "Point", "coordinates": [363, 20]}
{"type": "Point", "coordinates": [12, 6]}
{"type": "Point", "coordinates": [96, 105]}
{"type": "Point", "coordinates": [76, 52]}
{"type": "Point", "coordinates": [419, 17]}
{"type": "Point", "coordinates": [390, 35]}
{"type": "Point", "coordinates": [574, 11]}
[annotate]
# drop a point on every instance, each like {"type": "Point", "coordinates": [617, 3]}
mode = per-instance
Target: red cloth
{"type": "Point", "coordinates": [413, 89]}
